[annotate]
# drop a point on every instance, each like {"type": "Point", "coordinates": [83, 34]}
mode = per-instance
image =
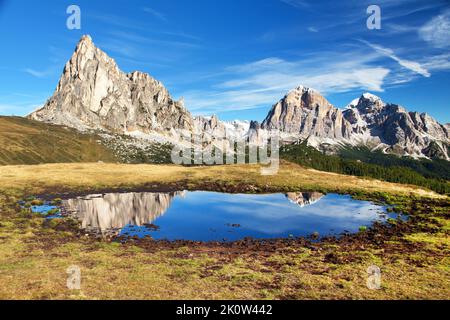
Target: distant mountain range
{"type": "Point", "coordinates": [303, 114]}
{"type": "Point", "coordinates": [93, 94]}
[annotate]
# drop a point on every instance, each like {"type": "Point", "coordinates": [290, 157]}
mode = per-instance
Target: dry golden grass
{"type": "Point", "coordinates": [24, 141]}
{"type": "Point", "coordinates": [34, 259]}
{"type": "Point", "coordinates": [38, 178]}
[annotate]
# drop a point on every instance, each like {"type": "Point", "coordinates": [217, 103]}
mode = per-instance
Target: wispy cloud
{"type": "Point", "coordinates": [401, 9]}
{"type": "Point", "coordinates": [39, 73]}
{"type": "Point", "coordinates": [408, 64]}
{"type": "Point", "coordinates": [261, 83]}
{"type": "Point", "coordinates": [9, 109]}
{"type": "Point", "coordinates": [438, 63]}
{"type": "Point", "coordinates": [393, 28]}
{"type": "Point", "coordinates": [296, 3]}
{"type": "Point", "coordinates": [127, 24]}
{"type": "Point", "coordinates": [437, 30]}
{"type": "Point", "coordinates": [20, 108]}
{"type": "Point", "coordinates": [180, 34]}
{"type": "Point", "coordinates": [137, 38]}
{"type": "Point", "coordinates": [120, 47]}
{"type": "Point", "coordinates": [130, 39]}
{"type": "Point", "coordinates": [21, 104]}
{"type": "Point", "coordinates": [118, 21]}
{"type": "Point", "coordinates": [155, 14]}
{"type": "Point", "coordinates": [133, 47]}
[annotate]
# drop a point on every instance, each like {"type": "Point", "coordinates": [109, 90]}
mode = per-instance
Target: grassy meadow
{"type": "Point", "coordinates": [35, 254]}
{"type": "Point", "coordinates": [24, 141]}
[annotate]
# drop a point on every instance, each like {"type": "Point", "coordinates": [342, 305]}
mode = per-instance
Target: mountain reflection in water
{"type": "Point", "coordinates": [208, 216]}
{"type": "Point", "coordinates": [117, 210]}
{"type": "Point", "coordinates": [304, 198]}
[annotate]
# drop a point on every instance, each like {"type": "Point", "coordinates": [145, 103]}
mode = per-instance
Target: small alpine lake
{"type": "Point", "coordinates": [211, 216]}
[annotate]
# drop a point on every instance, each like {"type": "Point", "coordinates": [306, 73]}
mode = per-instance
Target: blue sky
{"type": "Point", "coordinates": [235, 58]}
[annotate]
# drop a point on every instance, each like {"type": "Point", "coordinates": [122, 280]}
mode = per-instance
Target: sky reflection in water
{"type": "Point", "coordinates": [209, 216]}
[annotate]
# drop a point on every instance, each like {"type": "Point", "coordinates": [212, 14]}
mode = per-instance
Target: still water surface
{"type": "Point", "coordinates": [210, 216]}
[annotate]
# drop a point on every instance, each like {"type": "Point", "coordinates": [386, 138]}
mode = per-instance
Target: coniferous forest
{"type": "Point", "coordinates": [432, 174]}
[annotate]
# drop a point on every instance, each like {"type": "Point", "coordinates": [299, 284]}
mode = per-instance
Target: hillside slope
{"type": "Point", "coordinates": [24, 141]}
{"type": "Point", "coordinates": [356, 162]}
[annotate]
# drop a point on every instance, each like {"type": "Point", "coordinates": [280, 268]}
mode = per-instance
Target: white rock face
{"type": "Point", "coordinates": [303, 114]}
{"type": "Point", "coordinates": [94, 94]}
{"type": "Point", "coordinates": [111, 212]}
{"type": "Point", "coordinates": [221, 129]}
{"type": "Point", "coordinates": [396, 129]}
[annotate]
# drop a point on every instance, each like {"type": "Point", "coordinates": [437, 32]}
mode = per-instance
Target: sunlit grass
{"type": "Point", "coordinates": [34, 258]}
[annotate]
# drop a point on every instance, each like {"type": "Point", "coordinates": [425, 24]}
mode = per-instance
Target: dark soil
{"type": "Point", "coordinates": [387, 238]}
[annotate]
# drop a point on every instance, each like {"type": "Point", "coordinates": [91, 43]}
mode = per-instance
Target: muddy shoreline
{"type": "Point", "coordinates": [51, 193]}
{"type": "Point", "coordinates": [376, 235]}
{"type": "Point", "coordinates": [335, 250]}
{"type": "Point", "coordinates": [412, 255]}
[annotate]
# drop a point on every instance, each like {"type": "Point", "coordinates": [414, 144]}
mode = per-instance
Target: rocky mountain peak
{"type": "Point", "coordinates": [86, 39]}
{"type": "Point", "coordinates": [306, 115]}
{"type": "Point", "coordinates": [305, 112]}
{"type": "Point", "coordinates": [371, 97]}
{"type": "Point", "coordinates": [84, 45]}
{"type": "Point", "coordinates": [303, 90]}
{"type": "Point", "coordinates": [93, 93]}
{"type": "Point", "coordinates": [367, 103]}
{"type": "Point", "coordinates": [305, 97]}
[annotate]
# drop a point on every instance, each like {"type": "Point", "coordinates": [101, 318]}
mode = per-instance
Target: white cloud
{"type": "Point", "coordinates": [438, 63]}
{"type": "Point", "coordinates": [296, 3]}
{"type": "Point", "coordinates": [263, 82]}
{"type": "Point", "coordinates": [264, 64]}
{"type": "Point", "coordinates": [18, 109]}
{"type": "Point", "coordinates": [139, 39]}
{"type": "Point", "coordinates": [413, 66]}
{"type": "Point", "coordinates": [118, 21]}
{"type": "Point", "coordinates": [21, 104]}
{"type": "Point", "coordinates": [155, 13]}
{"type": "Point", "coordinates": [38, 73]}
{"type": "Point", "coordinates": [408, 64]}
{"type": "Point", "coordinates": [119, 46]}
{"type": "Point", "coordinates": [394, 29]}
{"type": "Point", "coordinates": [437, 31]}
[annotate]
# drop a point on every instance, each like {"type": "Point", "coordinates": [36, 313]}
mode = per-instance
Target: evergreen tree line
{"type": "Point", "coordinates": [430, 174]}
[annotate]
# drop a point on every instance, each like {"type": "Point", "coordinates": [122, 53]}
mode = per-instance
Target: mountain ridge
{"type": "Point", "coordinates": [94, 94]}
{"type": "Point", "coordinates": [304, 114]}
